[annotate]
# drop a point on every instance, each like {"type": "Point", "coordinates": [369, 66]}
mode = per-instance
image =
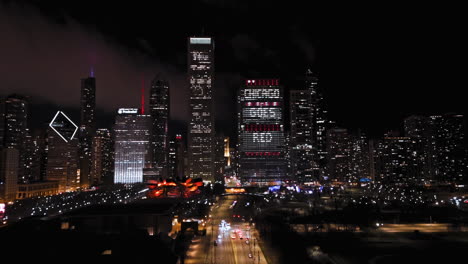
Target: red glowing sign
{"type": "Point", "coordinates": [255, 127]}
{"type": "Point", "coordinates": [262, 82]}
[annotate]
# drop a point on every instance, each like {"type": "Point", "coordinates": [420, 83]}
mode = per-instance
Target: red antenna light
{"type": "Point", "coordinates": [142, 95]}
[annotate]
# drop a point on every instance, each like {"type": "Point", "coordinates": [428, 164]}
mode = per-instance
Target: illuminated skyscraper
{"type": "Point", "coordinates": [395, 160]}
{"type": "Point", "coordinates": [448, 148]}
{"type": "Point", "coordinates": [102, 157]}
{"type": "Point", "coordinates": [63, 154]}
{"type": "Point", "coordinates": [15, 128]}
{"type": "Point", "coordinates": [132, 137]}
{"type": "Point", "coordinates": [159, 110]}
{"type": "Point", "coordinates": [419, 130]}
{"type": "Point", "coordinates": [302, 137]}
{"type": "Point", "coordinates": [338, 154]}
{"type": "Point", "coordinates": [320, 124]}
{"type": "Point", "coordinates": [261, 133]}
{"type": "Point", "coordinates": [87, 126]}
{"type": "Point", "coordinates": [201, 128]}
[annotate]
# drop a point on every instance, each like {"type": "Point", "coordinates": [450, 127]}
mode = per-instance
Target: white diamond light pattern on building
{"type": "Point", "coordinates": [63, 126]}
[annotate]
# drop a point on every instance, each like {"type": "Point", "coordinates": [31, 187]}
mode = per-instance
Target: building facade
{"type": "Point", "coordinates": [131, 145]}
{"type": "Point", "coordinates": [63, 161]}
{"type": "Point", "coordinates": [102, 157]}
{"type": "Point", "coordinates": [9, 164]}
{"type": "Point", "coordinates": [159, 110]}
{"type": "Point", "coordinates": [87, 127]}
{"type": "Point", "coordinates": [448, 153]}
{"type": "Point", "coordinates": [261, 133]}
{"type": "Point", "coordinates": [201, 127]}
{"type": "Point", "coordinates": [302, 136]}
{"type": "Point", "coordinates": [15, 128]}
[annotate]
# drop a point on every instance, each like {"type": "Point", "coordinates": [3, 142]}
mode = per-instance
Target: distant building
{"type": "Point", "coordinates": [159, 109]}
{"type": "Point", "coordinates": [131, 146]}
{"type": "Point", "coordinates": [302, 135]}
{"type": "Point", "coordinates": [220, 161]}
{"type": "Point", "coordinates": [320, 124]}
{"type": "Point", "coordinates": [62, 161]}
{"type": "Point", "coordinates": [261, 133]}
{"type": "Point", "coordinates": [448, 148]}
{"type": "Point", "coordinates": [201, 127]}
{"type": "Point", "coordinates": [87, 127]}
{"type": "Point", "coordinates": [177, 157]}
{"type": "Point", "coordinates": [15, 128]}
{"type": "Point", "coordinates": [338, 154]}
{"type": "Point", "coordinates": [418, 128]}
{"type": "Point", "coordinates": [360, 158]}
{"type": "Point", "coordinates": [102, 157]}
{"type": "Point", "coordinates": [396, 161]}
{"type": "Point", "coordinates": [9, 163]}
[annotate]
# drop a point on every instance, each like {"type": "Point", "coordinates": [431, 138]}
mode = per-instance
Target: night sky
{"type": "Point", "coordinates": [376, 64]}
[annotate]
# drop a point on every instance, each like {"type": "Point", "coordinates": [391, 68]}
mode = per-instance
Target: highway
{"type": "Point", "coordinates": [236, 244]}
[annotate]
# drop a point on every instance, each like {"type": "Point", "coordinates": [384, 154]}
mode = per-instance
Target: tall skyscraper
{"type": "Point", "coordinates": [9, 163]}
{"type": "Point", "coordinates": [201, 128]}
{"type": "Point", "coordinates": [63, 154]}
{"type": "Point", "coordinates": [320, 124]}
{"type": "Point", "coordinates": [159, 111]}
{"type": "Point", "coordinates": [261, 133]}
{"type": "Point", "coordinates": [418, 128]}
{"type": "Point", "coordinates": [87, 126]}
{"type": "Point", "coordinates": [302, 137]}
{"type": "Point", "coordinates": [131, 146]}
{"type": "Point", "coordinates": [102, 157]}
{"type": "Point", "coordinates": [338, 154]}
{"type": "Point", "coordinates": [448, 148]}
{"type": "Point", "coordinates": [15, 128]}
{"type": "Point", "coordinates": [33, 151]}
{"type": "Point", "coordinates": [359, 158]}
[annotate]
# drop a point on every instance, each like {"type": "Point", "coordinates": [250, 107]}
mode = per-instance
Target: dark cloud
{"type": "Point", "coordinates": [44, 59]}
{"type": "Point", "coordinates": [244, 47]}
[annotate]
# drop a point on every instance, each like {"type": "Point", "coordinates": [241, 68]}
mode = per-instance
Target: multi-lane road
{"type": "Point", "coordinates": [236, 242]}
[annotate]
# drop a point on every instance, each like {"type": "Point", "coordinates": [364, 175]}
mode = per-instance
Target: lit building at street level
{"type": "Point", "coordinates": [102, 157]}
{"type": "Point", "coordinates": [159, 111]}
{"type": "Point", "coordinates": [87, 127]}
{"type": "Point", "coordinates": [131, 146]}
{"type": "Point", "coordinates": [201, 127]}
{"type": "Point", "coordinates": [15, 124]}
{"type": "Point", "coordinates": [9, 158]}
{"type": "Point", "coordinates": [261, 133]}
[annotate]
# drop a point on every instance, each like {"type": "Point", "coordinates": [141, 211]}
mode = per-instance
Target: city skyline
{"type": "Point", "coordinates": [350, 72]}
